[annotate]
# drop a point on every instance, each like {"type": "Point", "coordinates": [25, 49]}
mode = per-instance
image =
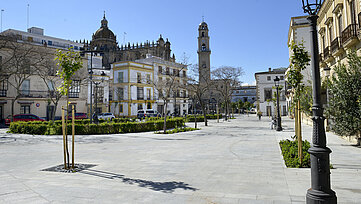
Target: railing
{"type": "Point", "coordinates": [326, 52]}
{"type": "Point", "coordinates": [349, 32]}
{"type": "Point", "coordinates": [335, 45]}
{"type": "Point", "coordinates": [37, 94]}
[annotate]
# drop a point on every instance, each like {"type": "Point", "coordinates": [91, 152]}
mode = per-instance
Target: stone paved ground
{"type": "Point", "coordinates": [227, 162]}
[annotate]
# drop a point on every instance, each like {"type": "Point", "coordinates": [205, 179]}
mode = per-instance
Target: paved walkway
{"type": "Point", "coordinates": [227, 162]}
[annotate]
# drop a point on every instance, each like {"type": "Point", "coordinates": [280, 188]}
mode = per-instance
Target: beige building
{"type": "Point", "coordinates": [28, 80]}
{"type": "Point", "coordinates": [338, 32]}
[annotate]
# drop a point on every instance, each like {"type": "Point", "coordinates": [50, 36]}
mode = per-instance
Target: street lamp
{"type": "Point", "coordinates": [277, 84]}
{"type": "Point", "coordinates": [96, 95]}
{"type": "Point", "coordinates": [320, 191]}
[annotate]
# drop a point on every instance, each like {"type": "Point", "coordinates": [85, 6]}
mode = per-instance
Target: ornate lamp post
{"type": "Point", "coordinates": [277, 85]}
{"type": "Point", "coordinates": [320, 191]}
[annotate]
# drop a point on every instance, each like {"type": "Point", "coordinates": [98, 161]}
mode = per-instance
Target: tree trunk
{"type": "Point", "coordinates": [12, 109]}
{"type": "Point", "coordinates": [359, 139]}
{"type": "Point", "coordinates": [165, 117]}
{"type": "Point", "coordinates": [205, 116]}
{"type": "Point", "coordinates": [66, 130]}
{"type": "Point", "coordinates": [299, 132]}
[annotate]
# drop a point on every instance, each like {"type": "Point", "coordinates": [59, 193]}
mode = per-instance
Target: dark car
{"type": "Point", "coordinates": [26, 118]}
{"type": "Point", "coordinates": [141, 114]}
{"type": "Point", "coordinates": [78, 116]}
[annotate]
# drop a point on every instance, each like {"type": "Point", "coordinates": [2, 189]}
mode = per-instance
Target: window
{"type": "Point", "coordinates": [3, 88]}
{"type": "Point", "coordinates": [140, 93]}
{"type": "Point", "coordinates": [148, 78]}
{"type": "Point", "coordinates": [149, 106]}
{"type": "Point", "coordinates": [330, 33]}
{"type": "Point", "coordinates": [100, 94]}
{"type": "Point", "coordinates": [51, 85]}
{"type": "Point", "coordinates": [120, 93]}
{"type": "Point", "coordinates": [184, 73]}
{"type": "Point", "coordinates": [323, 42]}
{"type": "Point", "coordinates": [167, 71]}
{"type": "Point", "coordinates": [25, 109]}
{"type": "Point", "coordinates": [50, 42]}
{"type": "Point", "coordinates": [352, 9]}
{"type": "Point", "coordinates": [268, 78]}
{"type": "Point", "coordinates": [340, 25]}
{"type": "Point", "coordinates": [25, 88]}
{"type": "Point", "coordinates": [74, 89]}
{"type": "Point", "coordinates": [140, 106]}
{"type": "Point", "coordinates": [202, 34]}
{"type": "Point", "coordinates": [149, 92]}
{"type": "Point", "coordinates": [120, 108]}
{"type": "Point", "coordinates": [120, 77]}
{"type": "Point", "coordinates": [204, 48]}
{"type": "Point", "coordinates": [139, 78]}
{"type": "Point", "coordinates": [160, 70]}
{"type": "Point", "coordinates": [267, 94]}
{"type": "Point", "coordinates": [26, 66]}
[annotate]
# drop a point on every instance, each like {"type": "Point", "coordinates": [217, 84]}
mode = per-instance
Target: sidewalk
{"type": "Point", "coordinates": [228, 162]}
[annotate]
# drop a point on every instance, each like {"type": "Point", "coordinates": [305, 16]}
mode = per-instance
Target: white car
{"type": "Point", "coordinates": [106, 116]}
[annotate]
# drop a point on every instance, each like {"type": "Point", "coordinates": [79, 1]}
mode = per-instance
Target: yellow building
{"type": "Point", "coordinates": [338, 32]}
{"type": "Point", "coordinates": [132, 88]}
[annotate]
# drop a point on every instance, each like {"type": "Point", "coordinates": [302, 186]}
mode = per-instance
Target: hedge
{"type": "Point", "coordinates": [50, 128]}
{"type": "Point", "coordinates": [200, 118]}
{"type": "Point", "coordinates": [290, 154]}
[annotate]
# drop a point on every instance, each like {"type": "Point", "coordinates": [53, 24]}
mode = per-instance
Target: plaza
{"type": "Point", "coordinates": [228, 162]}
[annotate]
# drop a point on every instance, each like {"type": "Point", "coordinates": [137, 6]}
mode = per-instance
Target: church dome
{"type": "Point", "coordinates": [104, 31]}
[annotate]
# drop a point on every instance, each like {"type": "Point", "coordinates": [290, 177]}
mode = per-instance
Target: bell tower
{"type": "Point", "coordinates": [204, 53]}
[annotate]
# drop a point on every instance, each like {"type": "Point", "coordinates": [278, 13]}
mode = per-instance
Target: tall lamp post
{"type": "Point", "coordinates": [96, 96]}
{"type": "Point", "coordinates": [277, 84]}
{"type": "Point", "coordinates": [320, 191]}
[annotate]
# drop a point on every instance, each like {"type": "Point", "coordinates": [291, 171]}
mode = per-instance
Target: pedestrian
{"type": "Point", "coordinates": [259, 115]}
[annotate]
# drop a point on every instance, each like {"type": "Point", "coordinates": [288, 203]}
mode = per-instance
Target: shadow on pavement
{"type": "Point", "coordinates": [165, 187]}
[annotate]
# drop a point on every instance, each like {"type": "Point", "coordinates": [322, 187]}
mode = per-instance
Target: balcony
{"type": "Point", "coordinates": [326, 53]}
{"type": "Point", "coordinates": [36, 94]}
{"type": "Point", "coordinates": [336, 47]}
{"type": "Point", "coordinates": [349, 35]}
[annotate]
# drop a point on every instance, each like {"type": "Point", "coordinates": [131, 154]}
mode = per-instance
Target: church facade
{"type": "Point", "coordinates": [105, 41]}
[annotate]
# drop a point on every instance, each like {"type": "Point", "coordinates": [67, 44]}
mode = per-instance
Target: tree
{"type": "Point", "coordinates": [68, 62]}
{"type": "Point", "coordinates": [226, 78]}
{"type": "Point", "coordinates": [299, 60]}
{"type": "Point", "coordinates": [344, 108]}
{"type": "Point", "coordinates": [19, 63]}
{"type": "Point", "coordinates": [200, 91]}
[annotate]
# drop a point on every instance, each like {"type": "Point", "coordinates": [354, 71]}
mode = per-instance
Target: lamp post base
{"type": "Point", "coordinates": [320, 197]}
{"type": "Point", "coordinates": [279, 126]}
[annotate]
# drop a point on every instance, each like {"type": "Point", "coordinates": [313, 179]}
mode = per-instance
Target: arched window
{"type": "Point", "coordinates": [204, 48]}
{"type": "Point", "coordinates": [202, 34]}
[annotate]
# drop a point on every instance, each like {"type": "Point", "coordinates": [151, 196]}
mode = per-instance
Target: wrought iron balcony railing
{"type": "Point", "coordinates": [348, 33]}
{"type": "Point", "coordinates": [37, 94]}
{"type": "Point", "coordinates": [326, 52]}
{"type": "Point", "coordinates": [335, 45]}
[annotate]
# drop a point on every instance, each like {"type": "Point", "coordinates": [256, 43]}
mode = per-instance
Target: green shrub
{"type": "Point", "coordinates": [290, 154]}
{"type": "Point", "coordinates": [177, 130]}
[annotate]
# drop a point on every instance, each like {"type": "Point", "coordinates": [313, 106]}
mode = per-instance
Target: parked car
{"type": "Point", "coordinates": [152, 113]}
{"type": "Point", "coordinates": [106, 116]}
{"type": "Point", "coordinates": [26, 118]}
{"type": "Point", "coordinates": [141, 114]}
{"type": "Point", "coordinates": [78, 116]}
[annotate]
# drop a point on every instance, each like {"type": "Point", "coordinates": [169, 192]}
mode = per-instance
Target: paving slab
{"type": "Point", "coordinates": [228, 162]}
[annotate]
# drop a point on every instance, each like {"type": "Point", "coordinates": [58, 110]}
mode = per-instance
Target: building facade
{"type": "Point", "coordinates": [266, 92]}
{"type": "Point", "coordinates": [338, 33]}
{"type": "Point", "coordinates": [244, 94]}
{"type": "Point", "coordinates": [105, 40]}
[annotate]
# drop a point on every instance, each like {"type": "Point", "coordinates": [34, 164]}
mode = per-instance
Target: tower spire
{"type": "Point", "coordinates": [203, 18]}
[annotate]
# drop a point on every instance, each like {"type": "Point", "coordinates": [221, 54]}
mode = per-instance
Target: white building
{"type": "Point", "coordinates": [266, 92]}
{"type": "Point", "coordinates": [163, 70]}
{"type": "Point", "coordinates": [36, 36]}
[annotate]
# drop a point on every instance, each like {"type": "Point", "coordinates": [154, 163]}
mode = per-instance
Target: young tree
{"type": "Point", "coordinates": [299, 60]}
{"type": "Point", "coordinates": [226, 78]}
{"type": "Point", "coordinates": [68, 62]}
{"type": "Point", "coordinates": [344, 106]}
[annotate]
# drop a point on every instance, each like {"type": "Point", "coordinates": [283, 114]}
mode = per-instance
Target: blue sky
{"type": "Point", "coordinates": [248, 34]}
